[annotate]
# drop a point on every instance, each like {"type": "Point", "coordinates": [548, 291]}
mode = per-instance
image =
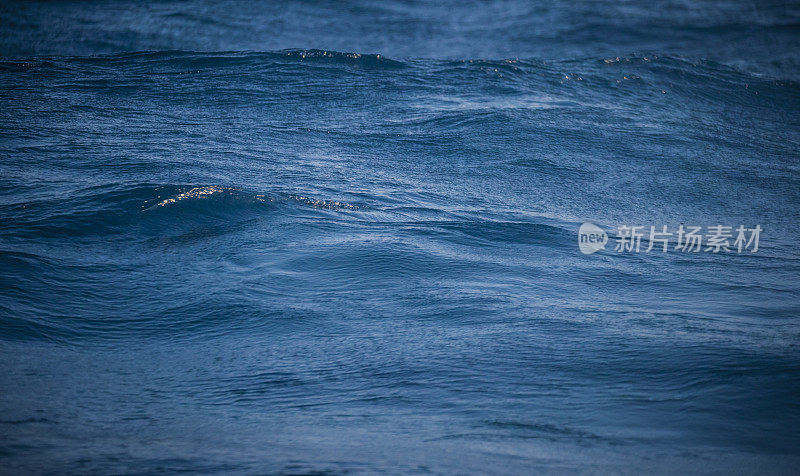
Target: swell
{"type": "Point", "coordinates": [120, 259]}
{"type": "Point", "coordinates": [149, 209]}
{"type": "Point", "coordinates": [177, 61]}
{"type": "Point", "coordinates": [452, 94]}
{"type": "Point", "coordinates": [157, 61]}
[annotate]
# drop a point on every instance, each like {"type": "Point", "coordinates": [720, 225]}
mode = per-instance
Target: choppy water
{"type": "Point", "coordinates": [224, 250]}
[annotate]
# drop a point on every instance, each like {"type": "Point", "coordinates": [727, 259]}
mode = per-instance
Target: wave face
{"type": "Point", "coordinates": [265, 260]}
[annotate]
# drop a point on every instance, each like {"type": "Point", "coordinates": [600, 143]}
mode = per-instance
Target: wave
{"type": "Point", "coordinates": [119, 209]}
{"type": "Point", "coordinates": [155, 62]}
{"type": "Point", "coordinates": [234, 59]}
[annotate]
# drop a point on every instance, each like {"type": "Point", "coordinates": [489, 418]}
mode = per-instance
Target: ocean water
{"type": "Point", "coordinates": [342, 237]}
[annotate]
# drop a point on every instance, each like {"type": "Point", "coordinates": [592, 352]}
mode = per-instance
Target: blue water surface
{"type": "Point", "coordinates": [341, 237]}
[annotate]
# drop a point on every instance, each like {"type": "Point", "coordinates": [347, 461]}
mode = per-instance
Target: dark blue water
{"type": "Point", "coordinates": [326, 237]}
